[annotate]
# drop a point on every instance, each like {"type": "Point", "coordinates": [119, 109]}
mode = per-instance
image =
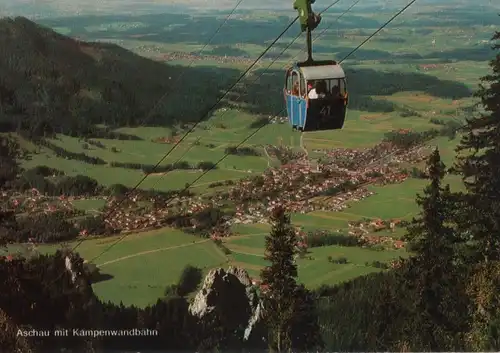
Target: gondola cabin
{"type": "Point", "coordinates": [316, 96]}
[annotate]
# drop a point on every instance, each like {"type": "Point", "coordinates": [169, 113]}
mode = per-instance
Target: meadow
{"type": "Point", "coordinates": [141, 266]}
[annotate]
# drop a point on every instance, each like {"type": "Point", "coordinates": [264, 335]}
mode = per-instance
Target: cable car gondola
{"type": "Point", "coordinates": [315, 91]}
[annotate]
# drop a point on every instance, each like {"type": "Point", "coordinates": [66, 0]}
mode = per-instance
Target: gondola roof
{"type": "Point", "coordinates": [322, 72]}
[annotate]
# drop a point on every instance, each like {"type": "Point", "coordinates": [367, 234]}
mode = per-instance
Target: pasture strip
{"type": "Point", "coordinates": [335, 271]}
{"type": "Point", "coordinates": [406, 199]}
{"type": "Point", "coordinates": [246, 266]}
{"type": "Point", "coordinates": [383, 202]}
{"type": "Point", "coordinates": [357, 215]}
{"type": "Point", "coordinates": [241, 249]}
{"type": "Point", "coordinates": [246, 253]}
{"type": "Point", "coordinates": [243, 236]}
{"type": "Point", "coordinates": [324, 216]}
{"type": "Point", "coordinates": [306, 224]}
{"type": "Point", "coordinates": [220, 253]}
{"type": "Point", "coordinates": [132, 235]}
{"type": "Point", "coordinates": [234, 170]}
{"type": "Point", "coordinates": [150, 252]}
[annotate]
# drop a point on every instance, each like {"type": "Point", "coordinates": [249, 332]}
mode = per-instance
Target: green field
{"type": "Point", "coordinates": [143, 264]}
{"type": "Point", "coordinates": [247, 251]}
{"type": "Point", "coordinates": [387, 71]}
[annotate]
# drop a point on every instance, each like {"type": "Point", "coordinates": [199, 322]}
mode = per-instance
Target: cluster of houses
{"type": "Point", "coordinates": [171, 56]}
{"type": "Point", "coordinates": [34, 202]}
{"type": "Point", "coordinates": [300, 187]}
{"type": "Point", "coordinates": [365, 231]}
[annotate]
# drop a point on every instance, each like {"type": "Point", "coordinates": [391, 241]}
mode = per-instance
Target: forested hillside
{"type": "Point", "coordinates": [52, 83]}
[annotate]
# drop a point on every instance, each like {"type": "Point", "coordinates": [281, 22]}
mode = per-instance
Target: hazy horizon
{"type": "Point", "coordinates": [62, 8]}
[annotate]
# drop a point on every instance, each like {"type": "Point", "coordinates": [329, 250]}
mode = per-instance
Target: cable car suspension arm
{"type": "Point", "coordinates": [308, 22]}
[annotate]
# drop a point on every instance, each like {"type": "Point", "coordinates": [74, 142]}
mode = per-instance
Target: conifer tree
{"type": "Point", "coordinates": [431, 272]}
{"type": "Point", "coordinates": [480, 170]}
{"type": "Point", "coordinates": [428, 234]}
{"type": "Point", "coordinates": [279, 278]}
{"type": "Point", "coordinates": [288, 309]}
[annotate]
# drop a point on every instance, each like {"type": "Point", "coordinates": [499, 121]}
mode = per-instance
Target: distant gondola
{"type": "Point", "coordinates": [315, 91]}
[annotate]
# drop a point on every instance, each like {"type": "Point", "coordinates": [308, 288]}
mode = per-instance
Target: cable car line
{"type": "Point", "coordinates": [286, 48]}
{"type": "Point", "coordinates": [225, 155]}
{"type": "Point", "coordinates": [202, 116]}
{"type": "Point", "coordinates": [177, 161]}
{"type": "Point", "coordinates": [152, 110]}
{"type": "Point", "coordinates": [378, 30]}
{"type": "Point", "coordinates": [272, 62]}
{"type": "Point", "coordinates": [111, 211]}
{"type": "Point", "coordinates": [183, 137]}
{"type": "Point", "coordinates": [154, 107]}
{"type": "Point", "coordinates": [328, 7]}
{"type": "Point", "coordinates": [221, 98]}
{"type": "Point", "coordinates": [255, 80]}
{"type": "Point", "coordinates": [316, 92]}
{"type": "Point", "coordinates": [193, 60]}
{"type": "Point", "coordinates": [199, 121]}
{"type": "Point", "coordinates": [187, 186]}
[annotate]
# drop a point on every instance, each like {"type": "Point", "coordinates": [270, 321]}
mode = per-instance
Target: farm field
{"type": "Point", "coordinates": [138, 264]}
{"type": "Point", "coordinates": [410, 76]}
{"type": "Point", "coordinates": [137, 270]}
{"type": "Point", "coordinates": [362, 130]}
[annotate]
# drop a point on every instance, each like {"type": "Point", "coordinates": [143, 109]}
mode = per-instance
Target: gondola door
{"type": "Point", "coordinates": [298, 101]}
{"type": "Point", "coordinates": [296, 104]}
{"type": "Point", "coordinates": [288, 97]}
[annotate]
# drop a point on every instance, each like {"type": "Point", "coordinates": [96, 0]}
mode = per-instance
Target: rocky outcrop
{"type": "Point", "coordinates": [79, 269]}
{"type": "Point", "coordinates": [229, 294]}
{"type": "Point", "coordinates": [69, 267]}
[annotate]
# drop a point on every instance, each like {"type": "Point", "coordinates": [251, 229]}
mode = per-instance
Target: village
{"type": "Point", "coordinates": [171, 56]}
{"type": "Point", "coordinates": [340, 178]}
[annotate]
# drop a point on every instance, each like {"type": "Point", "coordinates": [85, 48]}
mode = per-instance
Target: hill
{"type": "Point", "coordinates": [52, 83]}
